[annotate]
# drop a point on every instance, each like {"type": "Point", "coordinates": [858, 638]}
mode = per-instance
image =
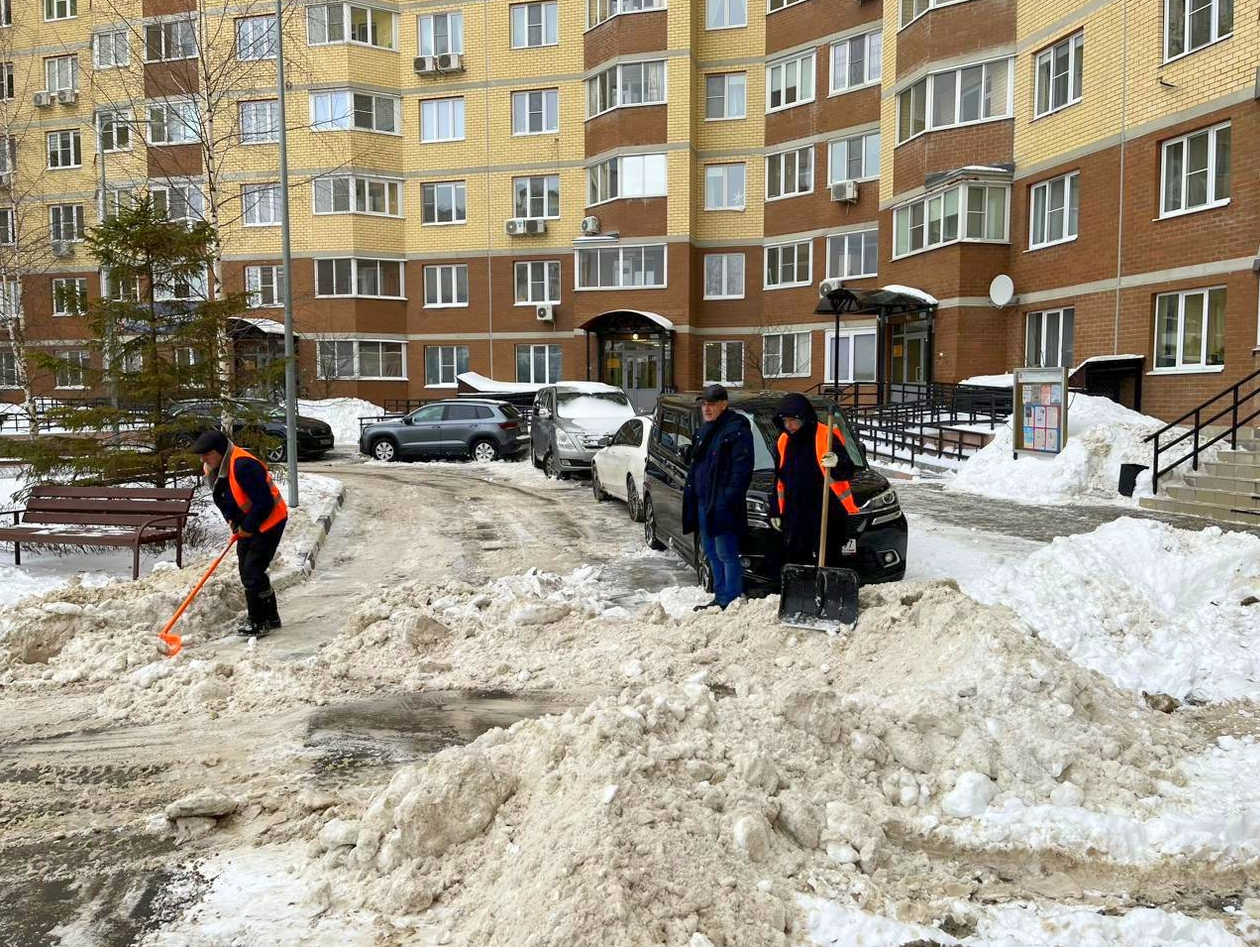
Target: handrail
{"type": "Point", "coordinates": [1197, 445]}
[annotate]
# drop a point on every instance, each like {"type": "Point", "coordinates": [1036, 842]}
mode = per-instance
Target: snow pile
{"type": "Point", "coordinates": [1102, 435]}
{"type": "Point", "coordinates": [342, 415]}
{"type": "Point", "coordinates": [990, 381]}
{"type": "Point", "coordinates": [1155, 608]}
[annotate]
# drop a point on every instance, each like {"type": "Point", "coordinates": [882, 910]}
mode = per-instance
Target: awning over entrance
{"type": "Point", "coordinates": [890, 305]}
{"type": "Point", "coordinates": [621, 320]}
{"type": "Point", "coordinates": [889, 301]}
{"type": "Point", "coordinates": [265, 326]}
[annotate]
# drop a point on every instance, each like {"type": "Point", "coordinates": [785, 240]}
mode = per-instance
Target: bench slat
{"type": "Point", "coordinates": [88, 519]}
{"type": "Point", "coordinates": [139, 507]}
{"type": "Point", "coordinates": [86, 538]}
{"type": "Point", "coordinates": [114, 493]}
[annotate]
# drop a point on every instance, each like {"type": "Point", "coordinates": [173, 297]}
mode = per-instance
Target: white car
{"type": "Point", "coordinates": [617, 470]}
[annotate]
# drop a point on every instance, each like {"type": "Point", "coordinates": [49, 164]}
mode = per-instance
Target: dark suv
{"type": "Point", "coordinates": [880, 526]}
{"type": "Point", "coordinates": [256, 422]}
{"type": "Point", "coordinates": [466, 427]}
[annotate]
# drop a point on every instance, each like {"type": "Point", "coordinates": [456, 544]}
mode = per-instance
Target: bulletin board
{"type": "Point", "coordinates": [1041, 408]}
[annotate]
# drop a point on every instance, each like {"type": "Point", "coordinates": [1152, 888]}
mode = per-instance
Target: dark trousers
{"type": "Point", "coordinates": [253, 557]}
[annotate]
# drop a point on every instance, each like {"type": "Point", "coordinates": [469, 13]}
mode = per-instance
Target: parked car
{"type": "Point", "coordinates": [880, 526]}
{"type": "Point", "coordinates": [263, 418]}
{"type": "Point", "coordinates": [573, 420]}
{"type": "Point", "coordinates": [482, 429]}
{"type": "Point", "coordinates": [617, 470]}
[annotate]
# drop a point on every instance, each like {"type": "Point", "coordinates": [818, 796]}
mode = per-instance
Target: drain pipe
{"type": "Point", "coordinates": [1124, 126]}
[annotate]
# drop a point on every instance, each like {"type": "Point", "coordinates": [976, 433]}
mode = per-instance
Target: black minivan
{"type": "Point", "coordinates": [879, 554]}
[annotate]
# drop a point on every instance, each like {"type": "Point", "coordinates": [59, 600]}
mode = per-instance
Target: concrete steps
{"type": "Point", "coordinates": [1226, 490]}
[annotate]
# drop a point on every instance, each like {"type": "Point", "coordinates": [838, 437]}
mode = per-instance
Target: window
{"type": "Point", "coordinates": [117, 199]}
{"type": "Point", "coordinates": [597, 11]}
{"type": "Point", "coordinates": [537, 197]}
{"type": "Point", "coordinates": [444, 203]}
{"type": "Point", "coordinates": [1059, 70]}
{"type": "Point", "coordinates": [626, 176]}
{"type": "Point", "coordinates": [934, 221]}
{"type": "Point", "coordinates": [358, 195]}
{"type": "Point", "coordinates": [73, 368]}
{"type": "Point", "coordinates": [773, 5]}
{"type": "Point", "coordinates": [351, 23]}
{"type": "Point", "coordinates": [7, 88]}
{"type": "Point", "coordinates": [1193, 24]}
{"type": "Point", "coordinates": [334, 359]}
{"type": "Point", "coordinates": [913, 9]}
{"type": "Point", "coordinates": [725, 14]}
{"type": "Point", "coordinates": [344, 110]}
{"type": "Point", "coordinates": [445, 285]}
{"type": "Point", "coordinates": [785, 355]}
{"type": "Point", "coordinates": [964, 96]}
{"type": "Point", "coordinates": [10, 300]}
{"type": "Point", "coordinates": [260, 122]}
{"type": "Point", "coordinates": [59, 10]}
{"type": "Point", "coordinates": [256, 37]}
{"type": "Point", "coordinates": [856, 61]}
{"type": "Point", "coordinates": [186, 357]}
{"type": "Point", "coordinates": [536, 113]}
{"type": "Point", "coordinates": [69, 297]}
{"type": "Point", "coordinates": [851, 355]}
{"type": "Point", "coordinates": [179, 202]}
{"type": "Point", "coordinates": [183, 287]}
{"type": "Point", "coordinates": [361, 358]}
{"type": "Point", "coordinates": [350, 276]}
{"type": "Point", "coordinates": [64, 150]}
{"type": "Point", "coordinates": [628, 84]}
{"type": "Point", "coordinates": [264, 286]}
{"type": "Point", "coordinates": [174, 123]}
{"type": "Point", "coordinates": [113, 131]}
{"type": "Point", "coordinates": [61, 73]}
{"type": "Point", "coordinates": [853, 255]}
{"type": "Point", "coordinates": [724, 363]}
{"type": "Point", "coordinates": [121, 290]}
{"type": "Point", "coordinates": [725, 96]}
{"type": "Point", "coordinates": [724, 276]}
{"type": "Point", "coordinates": [380, 360]}
{"type": "Point", "coordinates": [442, 363]}
{"type": "Point", "coordinates": [7, 233]}
{"type": "Point", "coordinates": [539, 364]}
{"type": "Point", "coordinates": [1055, 211]}
{"type": "Point", "coordinates": [6, 13]}
{"type": "Point", "coordinates": [174, 39]}
{"type": "Point", "coordinates": [621, 267]}
{"type": "Point", "coordinates": [790, 173]}
{"type": "Point", "coordinates": [1190, 330]}
{"type": "Point", "coordinates": [1048, 338]}
{"type": "Point", "coordinates": [724, 187]}
{"type": "Point", "coordinates": [112, 49]}
{"type": "Point", "coordinates": [442, 119]}
{"type": "Point", "coordinates": [538, 281]}
{"type": "Point", "coordinates": [260, 204]}
{"type": "Point", "coordinates": [65, 223]}
{"type": "Point", "coordinates": [534, 24]}
{"type": "Point", "coordinates": [441, 34]}
{"type": "Point", "coordinates": [788, 265]}
{"type": "Point", "coordinates": [853, 159]}
{"type": "Point", "coordinates": [9, 377]}
{"type": "Point", "coordinates": [1196, 171]}
{"type": "Point", "coordinates": [790, 82]}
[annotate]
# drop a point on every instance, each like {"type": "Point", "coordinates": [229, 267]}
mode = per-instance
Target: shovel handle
{"type": "Point", "coordinates": [826, 496]}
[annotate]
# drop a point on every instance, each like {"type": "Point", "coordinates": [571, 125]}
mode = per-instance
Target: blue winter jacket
{"type": "Point", "coordinates": [721, 470]}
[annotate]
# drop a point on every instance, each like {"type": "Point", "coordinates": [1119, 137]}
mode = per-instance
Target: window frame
{"type": "Point", "coordinates": [1076, 52]}
{"type": "Point", "coordinates": [548, 95]}
{"type": "Point", "coordinates": [267, 41]}
{"type": "Point", "coordinates": [616, 83]}
{"type": "Point", "coordinates": [75, 148]}
{"type": "Point", "coordinates": [355, 263]}
{"type": "Point", "coordinates": [356, 359]}
{"type": "Point", "coordinates": [436, 102]}
{"type": "Point", "coordinates": [831, 342]}
{"type": "Point", "coordinates": [928, 84]}
{"type": "Point", "coordinates": [50, 11]}
{"type": "Point", "coordinates": [432, 25]}
{"type": "Point", "coordinates": [113, 120]}
{"type": "Point", "coordinates": [725, 167]}
{"type": "Point", "coordinates": [601, 175]}
{"type": "Point", "coordinates": [77, 223]}
{"type": "Point", "coordinates": [1213, 133]}
{"type": "Point", "coordinates": [438, 269]}
{"type": "Point", "coordinates": [621, 252]}
{"type": "Point", "coordinates": [8, 85]}
{"type": "Point", "coordinates": [549, 212]}
{"type": "Point", "coordinates": [1041, 316]}
{"type": "Point", "coordinates": [251, 203]}
{"type": "Point", "coordinates": [726, 78]}
{"type": "Point", "coordinates": [59, 295]}
{"type": "Point", "coordinates": [726, 9]}
{"type": "Point", "coordinates": [773, 7]}
{"type": "Point", "coordinates": [98, 63]}
{"type": "Point", "coordinates": [195, 213]}
{"type": "Point", "coordinates": [784, 194]}
{"type": "Point", "coordinates": [962, 212]}
{"type": "Point", "coordinates": [530, 281]}
{"type": "Point", "coordinates": [873, 61]}
{"type": "Point", "coordinates": [782, 63]}
{"type": "Point", "coordinates": [176, 116]}
{"type": "Point", "coordinates": [10, 377]}
{"type": "Point", "coordinates": [724, 361]}
{"type": "Point", "coordinates": [726, 272]}
{"type": "Point", "coordinates": [459, 189]}
{"type": "Point", "coordinates": [254, 288]}
{"type": "Point", "coordinates": [547, 6]}
{"type": "Point", "coordinates": [8, 231]}
{"type": "Point", "coordinates": [1179, 367]}
{"type": "Point", "coordinates": [53, 69]}
{"type": "Point", "coordinates": [1215, 36]}
{"type": "Point", "coordinates": [170, 40]}
{"type": "Point", "coordinates": [347, 25]}
{"type": "Point", "coordinates": [530, 350]}
{"type": "Point", "coordinates": [80, 370]}
{"type": "Point", "coordinates": [865, 234]}
{"type": "Point", "coordinates": [455, 351]}
{"type": "Point", "coordinates": [273, 108]}
{"type": "Point", "coordinates": [783, 334]}
{"type": "Point", "coordinates": [615, 9]}
{"type": "Point", "coordinates": [351, 112]}
{"type": "Point", "coordinates": [861, 137]}
{"type": "Point", "coordinates": [356, 185]}
{"type": "Point", "coordinates": [1071, 192]}
{"type": "Point", "coordinates": [767, 286]}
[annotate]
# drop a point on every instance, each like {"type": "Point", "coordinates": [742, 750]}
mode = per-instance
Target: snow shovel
{"type": "Point", "coordinates": [174, 643]}
{"type": "Point", "coordinates": [820, 598]}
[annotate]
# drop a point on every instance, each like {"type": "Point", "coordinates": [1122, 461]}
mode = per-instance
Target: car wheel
{"type": "Point", "coordinates": [596, 487]}
{"type": "Point", "coordinates": [484, 451]}
{"type": "Point", "coordinates": [649, 525]}
{"type": "Point", "coordinates": [551, 466]}
{"type": "Point", "coordinates": [275, 454]}
{"type": "Point", "coordinates": [183, 442]}
{"type": "Point", "coordinates": [704, 569]}
{"type": "Point", "coordinates": [633, 506]}
{"type": "Point", "coordinates": [385, 449]}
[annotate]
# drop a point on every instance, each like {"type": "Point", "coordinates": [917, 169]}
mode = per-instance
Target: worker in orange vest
{"type": "Point", "coordinates": [251, 503]}
{"type": "Point", "coordinates": [802, 447]}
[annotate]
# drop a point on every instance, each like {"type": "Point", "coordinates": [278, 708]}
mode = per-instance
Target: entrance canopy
{"type": "Point", "coordinates": [627, 320]}
{"type": "Point", "coordinates": [889, 301]}
{"type": "Point", "coordinates": [265, 326]}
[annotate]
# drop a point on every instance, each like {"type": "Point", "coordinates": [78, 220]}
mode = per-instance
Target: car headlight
{"type": "Point", "coordinates": [563, 439]}
{"type": "Point", "coordinates": [880, 502]}
{"type": "Point", "coordinates": [758, 506]}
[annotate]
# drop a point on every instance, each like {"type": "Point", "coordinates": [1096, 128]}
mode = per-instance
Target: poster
{"type": "Point", "coordinates": [1041, 407]}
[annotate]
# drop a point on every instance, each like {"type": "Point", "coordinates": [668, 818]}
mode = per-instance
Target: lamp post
{"type": "Point", "coordinates": [290, 364]}
{"type": "Point", "coordinates": [109, 342]}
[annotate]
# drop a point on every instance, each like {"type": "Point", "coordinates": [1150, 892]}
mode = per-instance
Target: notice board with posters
{"type": "Point", "coordinates": [1041, 406]}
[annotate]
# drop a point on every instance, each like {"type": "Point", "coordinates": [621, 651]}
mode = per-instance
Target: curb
{"type": "Point", "coordinates": [306, 564]}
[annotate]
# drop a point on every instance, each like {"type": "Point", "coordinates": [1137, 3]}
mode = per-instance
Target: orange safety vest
{"type": "Point", "coordinates": [279, 512]}
{"type": "Point", "coordinates": [841, 488]}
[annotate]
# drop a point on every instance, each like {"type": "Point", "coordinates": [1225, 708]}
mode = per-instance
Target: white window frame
{"type": "Point", "coordinates": [178, 36]}
{"type": "Point", "coordinates": [55, 10]}
{"type": "Point", "coordinates": [723, 261]}
{"type": "Point", "coordinates": [650, 172]}
{"type": "Point", "coordinates": [452, 104]}
{"type": "Point", "coordinates": [11, 300]}
{"type": "Point", "coordinates": [549, 99]}
{"type": "Point", "coordinates": [352, 191]}
{"type": "Point", "coordinates": [548, 25]}
{"type": "Point", "coordinates": [734, 197]}
{"type": "Point", "coordinates": [261, 45]}
{"type": "Point", "coordinates": [864, 235]}
{"type": "Point", "coordinates": [531, 350]}
{"type": "Point", "coordinates": [1041, 317]}
{"type": "Point", "coordinates": [458, 203]}
{"type": "Point", "coordinates": [962, 213]}
{"type": "Point", "coordinates": [728, 80]}
{"type": "Point", "coordinates": [346, 26]}
{"type": "Point", "coordinates": [356, 359]}
{"type": "Point", "coordinates": [796, 336]}
{"type": "Point", "coordinates": [928, 85]}
{"type": "Point", "coordinates": [180, 117]}
{"type": "Point", "coordinates": [251, 137]}
{"type": "Point", "coordinates": [1180, 367]}
{"type": "Point", "coordinates": [1213, 133]}
{"type": "Point", "coordinates": [868, 142]}
{"type": "Point", "coordinates": [343, 113]}
{"type": "Point", "coordinates": [114, 60]}
{"type": "Point", "coordinates": [8, 234]}
{"type": "Point", "coordinates": [1216, 35]}
{"type": "Point", "coordinates": [64, 378]}
{"type": "Point", "coordinates": [187, 287]}
{"type": "Point", "coordinates": [440, 271]}
{"type": "Point", "coordinates": [355, 263]}
{"type": "Point", "coordinates": [61, 292]}
{"type": "Point", "coordinates": [6, 13]}
{"type": "Point", "coordinates": [75, 148]}
{"type": "Point", "coordinates": [799, 60]}
{"type": "Point", "coordinates": [1041, 192]}
{"type": "Point", "coordinates": [612, 79]}
{"type": "Point", "coordinates": [112, 123]}
{"type": "Point", "coordinates": [57, 223]}
{"type": "Point", "coordinates": [61, 74]}
{"type": "Point", "coordinates": [872, 53]}
{"type": "Point", "coordinates": [777, 250]}
{"type": "Point", "coordinates": [190, 195]}
{"type": "Point", "coordinates": [777, 171]}
{"type": "Point", "coordinates": [1045, 60]}
{"type": "Point", "coordinates": [530, 266]}
{"type": "Point", "coordinates": [443, 350]}
{"type": "Point", "coordinates": [601, 11]}
{"type": "Point", "coordinates": [264, 293]}
{"type": "Point", "coordinates": [621, 254]}
{"type": "Point", "coordinates": [8, 89]}
{"type": "Point", "coordinates": [731, 19]}
{"type": "Point", "coordinates": [774, 6]}
{"type": "Point", "coordinates": [427, 33]}
{"type": "Point", "coordinates": [724, 362]}
{"type": "Point", "coordinates": [260, 205]}
{"type": "Point", "coordinates": [830, 339]}
{"type": "Point", "coordinates": [529, 181]}
{"type": "Point", "coordinates": [10, 378]}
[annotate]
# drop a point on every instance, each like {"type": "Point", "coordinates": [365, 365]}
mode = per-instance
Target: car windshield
{"type": "Point", "coordinates": [577, 405]}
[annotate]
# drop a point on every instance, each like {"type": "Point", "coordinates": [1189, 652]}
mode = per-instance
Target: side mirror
{"type": "Point", "coordinates": [543, 413]}
{"type": "Point", "coordinates": [407, 419]}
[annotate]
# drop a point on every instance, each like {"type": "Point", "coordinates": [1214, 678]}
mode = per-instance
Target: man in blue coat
{"type": "Point", "coordinates": [715, 495]}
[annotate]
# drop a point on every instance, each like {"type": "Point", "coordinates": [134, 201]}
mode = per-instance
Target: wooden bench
{"type": "Point", "coordinates": [100, 516]}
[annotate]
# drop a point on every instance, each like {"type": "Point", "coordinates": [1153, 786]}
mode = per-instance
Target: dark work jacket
{"type": "Point", "coordinates": [717, 481]}
{"type": "Point", "coordinates": [252, 476]}
{"type": "Point", "coordinates": [802, 481]}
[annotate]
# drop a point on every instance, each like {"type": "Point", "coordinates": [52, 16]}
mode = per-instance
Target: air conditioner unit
{"type": "Point", "coordinates": [426, 65]}
{"type": "Point", "coordinates": [450, 62]}
{"type": "Point", "coordinates": [62, 248]}
{"type": "Point", "coordinates": [67, 96]}
{"type": "Point", "coordinates": [525, 225]}
{"type": "Point", "coordinates": [545, 313]}
{"type": "Point", "coordinates": [590, 226]}
{"type": "Point", "coordinates": [43, 100]}
{"type": "Point", "coordinates": [846, 191]}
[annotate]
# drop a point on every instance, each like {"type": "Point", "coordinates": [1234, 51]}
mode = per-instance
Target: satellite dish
{"type": "Point", "coordinates": [1001, 290]}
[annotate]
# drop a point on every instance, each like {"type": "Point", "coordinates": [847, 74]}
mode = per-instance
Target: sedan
{"type": "Point", "coordinates": [617, 470]}
{"type": "Point", "coordinates": [253, 421]}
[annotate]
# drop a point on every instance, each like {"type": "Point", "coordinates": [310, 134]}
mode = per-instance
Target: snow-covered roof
{"type": "Point", "coordinates": [266, 326]}
{"type": "Point", "coordinates": [590, 387]}
{"type": "Point", "coordinates": [479, 382]}
{"type": "Point", "coordinates": [1105, 358]}
{"type": "Point", "coordinates": [911, 291]}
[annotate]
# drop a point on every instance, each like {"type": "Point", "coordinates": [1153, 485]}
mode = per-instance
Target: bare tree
{"type": "Point", "coordinates": [771, 354]}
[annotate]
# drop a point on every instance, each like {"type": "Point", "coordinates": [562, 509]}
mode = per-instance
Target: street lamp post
{"type": "Point", "coordinates": [290, 363]}
{"type": "Point", "coordinates": [109, 342]}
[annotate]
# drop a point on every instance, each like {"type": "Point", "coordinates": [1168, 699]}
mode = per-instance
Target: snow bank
{"type": "Point", "coordinates": [990, 381]}
{"type": "Point", "coordinates": [1102, 435]}
{"type": "Point", "coordinates": [342, 415]}
{"type": "Point", "coordinates": [1153, 607]}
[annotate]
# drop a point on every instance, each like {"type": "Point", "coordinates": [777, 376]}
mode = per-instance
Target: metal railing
{"type": "Point", "coordinates": [1235, 404]}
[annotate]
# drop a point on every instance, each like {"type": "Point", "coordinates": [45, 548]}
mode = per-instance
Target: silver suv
{"type": "Point", "coordinates": [480, 429]}
{"type": "Point", "coordinates": [571, 422]}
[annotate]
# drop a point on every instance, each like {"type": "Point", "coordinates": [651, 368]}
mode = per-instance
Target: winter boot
{"type": "Point", "coordinates": [268, 610]}
{"type": "Point", "coordinates": [254, 624]}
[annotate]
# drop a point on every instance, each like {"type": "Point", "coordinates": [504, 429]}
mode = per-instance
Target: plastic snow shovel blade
{"type": "Point", "coordinates": [823, 599]}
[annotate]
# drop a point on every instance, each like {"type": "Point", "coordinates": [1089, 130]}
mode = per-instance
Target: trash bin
{"type": "Point", "coordinates": [1128, 477]}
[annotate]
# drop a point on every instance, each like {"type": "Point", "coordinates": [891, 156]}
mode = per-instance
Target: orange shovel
{"type": "Point", "coordinates": [174, 643]}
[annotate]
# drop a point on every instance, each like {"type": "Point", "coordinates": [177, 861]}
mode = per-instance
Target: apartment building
{"type": "Point", "coordinates": [648, 192]}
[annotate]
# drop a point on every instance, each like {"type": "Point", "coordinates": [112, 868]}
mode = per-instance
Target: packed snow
{"type": "Point", "coordinates": [342, 415]}
{"type": "Point", "coordinates": [990, 381]}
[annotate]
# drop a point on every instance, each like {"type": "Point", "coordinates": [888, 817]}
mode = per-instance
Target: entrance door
{"type": "Point", "coordinates": [635, 367]}
{"type": "Point", "coordinates": [916, 359]}
{"type": "Point", "coordinates": [254, 377]}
